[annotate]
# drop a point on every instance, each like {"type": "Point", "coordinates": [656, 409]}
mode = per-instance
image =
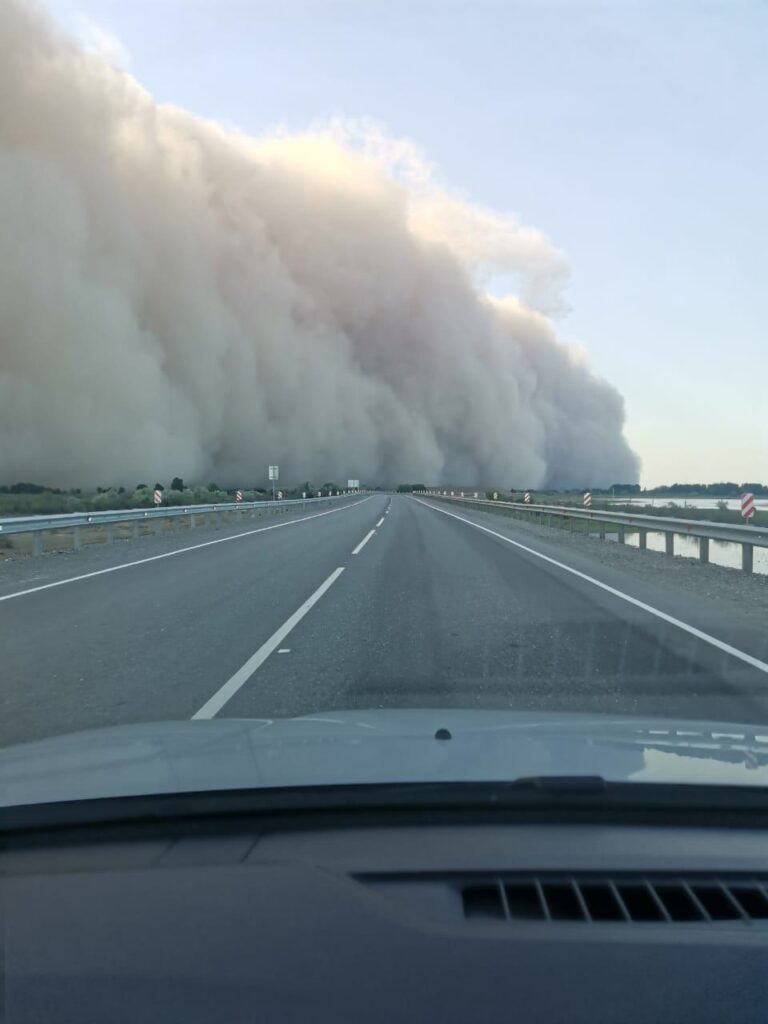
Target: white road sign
{"type": "Point", "coordinates": [273, 473]}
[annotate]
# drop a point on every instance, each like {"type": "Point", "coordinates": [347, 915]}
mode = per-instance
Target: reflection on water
{"type": "Point", "coordinates": [721, 552]}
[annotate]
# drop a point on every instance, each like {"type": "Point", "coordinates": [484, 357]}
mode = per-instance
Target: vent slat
{"type": "Point", "coordinates": [752, 900]}
{"type": "Point", "coordinates": [582, 902]}
{"type": "Point", "coordinates": [623, 899]}
{"type": "Point", "coordinates": [641, 903]}
{"type": "Point", "coordinates": [620, 902]}
{"type": "Point", "coordinates": [655, 897]}
{"type": "Point", "coordinates": [734, 903]}
{"type": "Point", "coordinates": [718, 902]}
{"type": "Point", "coordinates": [691, 893]}
{"type": "Point", "coordinates": [542, 900]}
{"type": "Point", "coordinates": [524, 902]}
{"type": "Point", "coordinates": [601, 901]}
{"type": "Point", "coordinates": [680, 906]}
{"type": "Point", "coordinates": [562, 902]}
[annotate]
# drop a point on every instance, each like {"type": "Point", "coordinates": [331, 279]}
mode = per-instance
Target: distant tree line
{"type": "Point", "coordinates": [38, 499]}
{"type": "Point", "coordinates": [724, 489]}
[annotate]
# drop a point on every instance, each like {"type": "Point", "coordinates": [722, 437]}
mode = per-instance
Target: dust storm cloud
{"type": "Point", "coordinates": [180, 299]}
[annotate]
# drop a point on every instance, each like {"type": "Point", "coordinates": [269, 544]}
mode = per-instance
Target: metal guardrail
{"type": "Point", "coordinates": [748, 537]}
{"type": "Point", "coordinates": [74, 521]}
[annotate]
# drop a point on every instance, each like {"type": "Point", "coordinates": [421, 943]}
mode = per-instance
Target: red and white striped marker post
{"type": "Point", "coordinates": [238, 495]}
{"type": "Point", "coordinates": [527, 497]}
{"type": "Point", "coordinates": [747, 506]}
{"type": "Point", "coordinates": [158, 496]}
{"type": "Point", "coordinates": [587, 499]}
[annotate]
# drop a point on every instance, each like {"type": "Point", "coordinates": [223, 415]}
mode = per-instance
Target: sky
{"type": "Point", "coordinates": [633, 134]}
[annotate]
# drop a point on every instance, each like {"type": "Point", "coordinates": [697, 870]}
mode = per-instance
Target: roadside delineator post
{"type": "Point", "coordinates": [747, 511]}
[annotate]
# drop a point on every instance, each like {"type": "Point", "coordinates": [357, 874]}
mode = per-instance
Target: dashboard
{"type": "Point", "coordinates": [422, 921]}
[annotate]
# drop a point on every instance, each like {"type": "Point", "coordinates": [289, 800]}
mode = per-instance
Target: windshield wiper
{"type": "Point", "coordinates": [537, 799]}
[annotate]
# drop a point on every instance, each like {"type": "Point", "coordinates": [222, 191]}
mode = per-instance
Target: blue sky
{"type": "Point", "coordinates": [633, 134]}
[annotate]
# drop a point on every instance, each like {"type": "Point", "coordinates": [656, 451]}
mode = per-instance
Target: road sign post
{"type": "Point", "coordinates": [158, 496]}
{"type": "Point", "coordinates": [274, 476]}
{"type": "Point", "coordinates": [587, 499]}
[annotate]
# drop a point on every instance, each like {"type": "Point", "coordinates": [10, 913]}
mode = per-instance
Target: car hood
{"type": "Point", "coordinates": [379, 746]}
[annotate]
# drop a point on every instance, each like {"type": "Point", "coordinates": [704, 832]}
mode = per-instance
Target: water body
{"type": "Point", "coordinates": [720, 552]}
{"type": "Point", "coordinates": [656, 502]}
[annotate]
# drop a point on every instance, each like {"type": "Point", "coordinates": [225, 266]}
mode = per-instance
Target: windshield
{"type": "Point", "coordinates": [381, 394]}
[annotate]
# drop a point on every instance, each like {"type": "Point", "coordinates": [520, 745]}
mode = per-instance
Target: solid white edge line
{"type": "Point", "coordinates": [180, 551]}
{"type": "Point", "coordinates": [700, 634]}
{"type": "Point", "coordinates": [363, 542]}
{"type": "Point", "coordinates": [232, 685]}
{"type": "Point", "coordinates": [379, 522]}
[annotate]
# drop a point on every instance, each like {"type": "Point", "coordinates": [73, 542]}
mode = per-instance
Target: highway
{"type": "Point", "coordinates": [389, 601]}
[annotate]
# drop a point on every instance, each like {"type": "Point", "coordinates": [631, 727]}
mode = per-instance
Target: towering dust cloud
{"type": "Point", "coordinates": [178, 299]}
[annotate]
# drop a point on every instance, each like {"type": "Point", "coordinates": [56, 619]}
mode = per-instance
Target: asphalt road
{"type": "Point", "coordinates": [387, 602]}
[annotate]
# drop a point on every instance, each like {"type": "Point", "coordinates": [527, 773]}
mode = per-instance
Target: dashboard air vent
{"type": "Point", "coordinates": [626, 898]}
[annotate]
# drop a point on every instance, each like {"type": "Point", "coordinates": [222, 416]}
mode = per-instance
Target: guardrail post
{"type": "Point", "coordinates": [37, 543]}
{"type": "Point", "coordinates": [192, 523]}
{"type": "Point", "coordinates": [136, 529]}
{"type": "Point", "coordinates": [746, 557]}
{"type": "Point", "coordinates": [704, 549]}
{"type": "Point", "coordinates": [601, 534]}
{"type": "Point", "coordinates": [76, 538]}
{"type": "Point", "coordinates": [158, 525]}
{"type": "Point", "coordinates": [110, 533]}
{"type": "Point", "coordinates": [669, 544]}
{"type": "Point", "coordinates": [642, 538]}
{"type": "Point", "coordinates": [621, 537]}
